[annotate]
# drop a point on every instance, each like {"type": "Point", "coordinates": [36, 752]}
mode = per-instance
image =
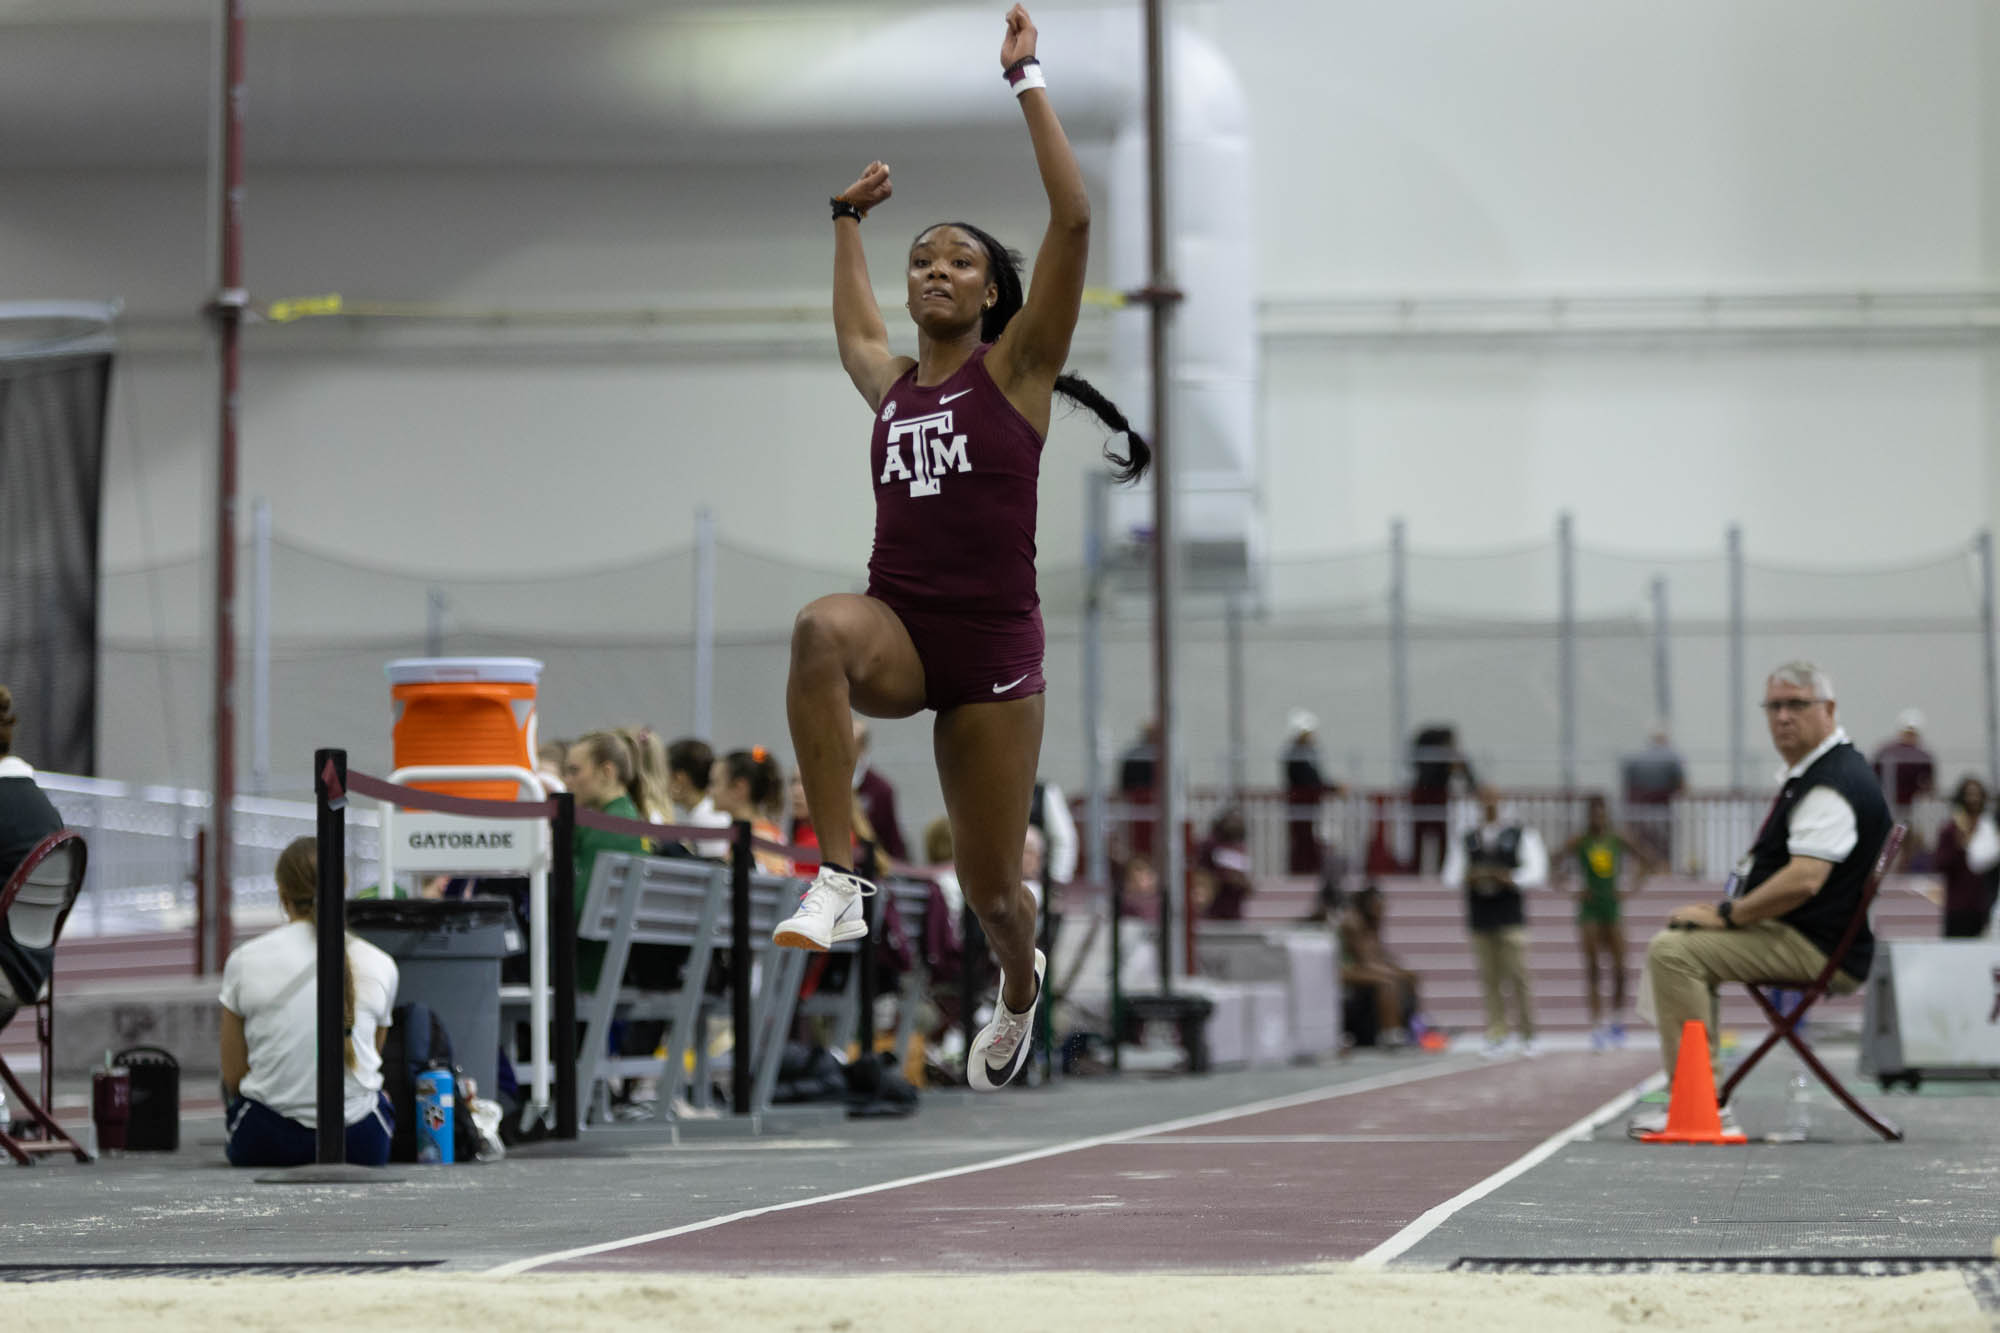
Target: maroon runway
{"type": "Point", "coordinates": [1328, 1180]}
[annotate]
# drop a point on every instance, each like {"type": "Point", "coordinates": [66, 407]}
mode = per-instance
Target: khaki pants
{"type": "Point", "coordinates": [1503, 961]}
{"type": "Point", "coordinates": [1684, 967]}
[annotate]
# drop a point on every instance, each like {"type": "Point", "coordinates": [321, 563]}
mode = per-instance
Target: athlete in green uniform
{"type": "Point", "coordinates": [1598, 854]}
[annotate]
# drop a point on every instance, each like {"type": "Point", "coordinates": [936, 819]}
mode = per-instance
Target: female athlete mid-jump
{"type": "Point", "coordinates": [951, 621]}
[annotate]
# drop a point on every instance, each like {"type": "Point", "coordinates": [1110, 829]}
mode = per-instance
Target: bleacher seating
{"type": "Point", "coordinates": [1424, 926]}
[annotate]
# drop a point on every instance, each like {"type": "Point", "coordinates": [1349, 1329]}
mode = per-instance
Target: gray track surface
{"type": "Point", "coordinates": [619, 1181]}
{"type": "Point", "coordinates": [1843, 1193]}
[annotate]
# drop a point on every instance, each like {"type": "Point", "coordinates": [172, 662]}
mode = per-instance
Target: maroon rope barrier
{"type": "Point", "coordinates": [362, 784]}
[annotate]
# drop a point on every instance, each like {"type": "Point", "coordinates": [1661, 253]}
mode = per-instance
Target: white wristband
{"type": "Point", "coordinates": [1026, 75]}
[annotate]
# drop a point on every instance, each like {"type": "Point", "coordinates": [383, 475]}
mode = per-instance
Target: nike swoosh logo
{"type": "Point", "coordinates": [948, 397]}
{"type": "Point", "coordinates": [1002, 689]}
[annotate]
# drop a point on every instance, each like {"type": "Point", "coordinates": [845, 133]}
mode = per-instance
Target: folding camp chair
{"type": "Point", "coordinates": [35, 903]}
{"type": "Point", "coordinates": [1785, 1026]}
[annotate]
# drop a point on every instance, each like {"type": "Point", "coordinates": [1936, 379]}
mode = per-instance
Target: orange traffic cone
{"type": "Point", "coordinates": [1692, 1115]}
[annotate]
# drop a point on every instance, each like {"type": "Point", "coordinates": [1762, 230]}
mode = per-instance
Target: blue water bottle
{"type": "Point", "coordinates": [434, 1111]}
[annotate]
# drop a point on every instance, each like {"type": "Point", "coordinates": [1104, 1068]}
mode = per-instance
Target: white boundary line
{"type": "Point", "coordinates": [1382, 1254]}
{"type": "Point", "coordinates": [1306, 1098]}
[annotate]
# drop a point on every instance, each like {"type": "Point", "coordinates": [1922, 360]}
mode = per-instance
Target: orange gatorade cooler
{"type": "Point", "coordinates": [465, 710]}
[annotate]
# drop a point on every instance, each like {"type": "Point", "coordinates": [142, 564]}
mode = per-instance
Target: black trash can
{"type": "Point", "coordinates": [448, 953]}
{"type": "Point", "coordinates": [155, 1121]}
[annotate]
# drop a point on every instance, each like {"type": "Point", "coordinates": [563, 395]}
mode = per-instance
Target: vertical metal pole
{"type": "Point", "coordinates": [1987, 651]}
{"type": "Point", "coordinates": [869, 863]}
{"type": "Point", "coordinates": [562, 948]}
{"type": "Point", "coordinates": [1739, 687]}
{"type": "Point", "coordinates": [260, 647]}
{"type": "Point", "coordinates": [704, 622]}
{"type": "Point", "coordinates": [1663, 681]}
{"type": "Point", "coordinates": [1399, 643]}
{"type": "Point", "coordinates": [225, 309]}
{"type": "Point", "coordinates": [1238, 723]}
{"type": "Point", "coordinates": [1097, 821]}
{"type": "Point", "coordinates": [435, 603]}
{"type": "Point", "coordinates": [739, 968]}
{"type": "Point", "coordinates": [1116, 991]}
{"type": "Point", "coordinates": [1566, 647]}
{"type": "Point", "coordinates": [1166, 541]}
{"type": "Point", "coordinates": [330, 927]}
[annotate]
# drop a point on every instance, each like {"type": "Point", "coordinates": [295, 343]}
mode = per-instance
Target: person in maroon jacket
{"type": "Point", "coordinates": [951, 621]}
{"type": "Point", "coordinates": [878, 799]}
{"type": "Point", "coordinates": [1968, 861]}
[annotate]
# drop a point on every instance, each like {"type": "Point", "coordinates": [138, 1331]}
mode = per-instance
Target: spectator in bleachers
{"type": "Point", "coordinates": [1598, 856]}
{"type": "Point", "coordinates": [26, 817]}
{"type": "Point", "coordinates": [1137, 776]}
{"type": "Point", "coordinates": [1652, 778]}
{"type": "Point", "coordinates": [1048, 811]}
{"type": "Point", "coordinates": [1435, 763]}
{"type": "Point", "coordinates": [801, 833]}
{"type": "Point", "coordinates": [1138, 887]}
{"type": "Point", "coordinates": [649, 766]}
{"type": "Point", "coordinates": [270, 1034]}
{"type": "Point", "coordinates": [877, 798]}
{"type": "Point", "coordinates": [749, 785]}
{"type": "Point", "coordinates": [1907, 774]}
{"type": "Point", "coordinates": [1968, 860]}
{"type": "Point", "coordinates": [1034, 856]}
{"type": "Point", "coordinates": [549, 758]}
{"type": "Point", "coordinates": [602, 772]}
{"type": "Point", "coordinates": [1496, 864]}
{"type": "Point", "coordinates": [690, 768]}
{"type": "Point", "coordinates": [938, 858]}
{"type": "Point", "coordinates": [1222, 883]}
{"type": "Point", "coordinates": [1305, 786]}
{"type": "Point", "coordinates": [1386, 990]}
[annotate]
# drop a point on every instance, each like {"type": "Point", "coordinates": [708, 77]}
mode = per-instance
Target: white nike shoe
{"type": "Point", "coordinates": [1000, 1051]}
{"type": "Point", "coordinates": [829, 913]}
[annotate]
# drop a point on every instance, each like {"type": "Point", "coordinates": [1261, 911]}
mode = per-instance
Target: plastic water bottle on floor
{"type": "Point", "coordinates": [1798, 1108]}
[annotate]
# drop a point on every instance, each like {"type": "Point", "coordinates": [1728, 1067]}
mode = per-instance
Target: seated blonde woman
{"type": "Point", "coordinates": [270, 1034]}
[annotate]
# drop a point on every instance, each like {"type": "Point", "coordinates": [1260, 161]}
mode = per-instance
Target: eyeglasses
{"type": "Point", "coordinates": [1776, 706]}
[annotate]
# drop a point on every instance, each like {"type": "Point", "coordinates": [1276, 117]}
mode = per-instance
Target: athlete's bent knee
{"type": "Point", "coordinates": [817, 635]}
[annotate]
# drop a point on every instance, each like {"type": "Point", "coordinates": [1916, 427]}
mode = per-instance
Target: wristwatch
{"type": "Point", "coordinates": [1726, 909]}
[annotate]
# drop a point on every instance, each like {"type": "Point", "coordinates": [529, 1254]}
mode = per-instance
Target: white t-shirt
{"type": "Point", "coordinates": [705, 815]}
{"type": "Point", "coordinates": [280, 1020]}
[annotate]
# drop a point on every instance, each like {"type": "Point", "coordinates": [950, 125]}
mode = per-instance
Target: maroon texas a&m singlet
{"type": "Point", "coordinates": [955, 470]}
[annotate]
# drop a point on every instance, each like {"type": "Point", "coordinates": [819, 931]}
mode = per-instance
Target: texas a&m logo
{"type": "Point", "coordinates": [921, 450]}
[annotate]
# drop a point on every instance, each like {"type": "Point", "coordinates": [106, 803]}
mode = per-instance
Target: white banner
{"type": "Point", "coordinates": [426, 841]}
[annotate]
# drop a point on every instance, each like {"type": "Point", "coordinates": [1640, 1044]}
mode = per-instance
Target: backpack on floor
{"type": "Point", "coordinates": [418, 1041]}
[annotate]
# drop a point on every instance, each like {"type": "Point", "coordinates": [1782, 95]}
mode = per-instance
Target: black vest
{"type": "Point", "coordinates": [26, 817]}
{"type": "Point", "coordinates": [1494, 909]}
{"type": "Point", "coordinates": [1823, 917]}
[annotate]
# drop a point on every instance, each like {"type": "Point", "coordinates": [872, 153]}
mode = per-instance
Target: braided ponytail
{"type": "Point", "coordinates": [1003, 270]}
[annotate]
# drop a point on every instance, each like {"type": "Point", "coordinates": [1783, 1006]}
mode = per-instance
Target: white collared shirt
{"type": "Point", "coordinates": [13, 766]}
{"type": "Point", "coordinates": [703, 814]}
{"type": "Point", "coordinates": [1532, 873]}
{"type": "Point", "coordinates": [1822, 823]}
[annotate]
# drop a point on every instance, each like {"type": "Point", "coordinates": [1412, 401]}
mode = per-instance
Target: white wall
{"type": "Point", "coordinates": [1519, 150]}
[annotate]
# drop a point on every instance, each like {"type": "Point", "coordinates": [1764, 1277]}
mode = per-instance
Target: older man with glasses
{"type": "Point", "coordinates": [1792, 895]}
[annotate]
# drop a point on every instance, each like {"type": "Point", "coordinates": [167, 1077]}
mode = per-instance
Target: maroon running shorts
{"type": "Point", "coordinates": [976, 657]}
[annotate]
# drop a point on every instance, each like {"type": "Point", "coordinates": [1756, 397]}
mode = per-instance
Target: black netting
{"type": "Point", "coordinates": [52, 415]}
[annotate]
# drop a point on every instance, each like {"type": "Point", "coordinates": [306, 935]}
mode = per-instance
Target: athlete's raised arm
{"type": "Point", "coordinates": [1035, 343]}
{"type": "Point", "coordinates": [857, 321]}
